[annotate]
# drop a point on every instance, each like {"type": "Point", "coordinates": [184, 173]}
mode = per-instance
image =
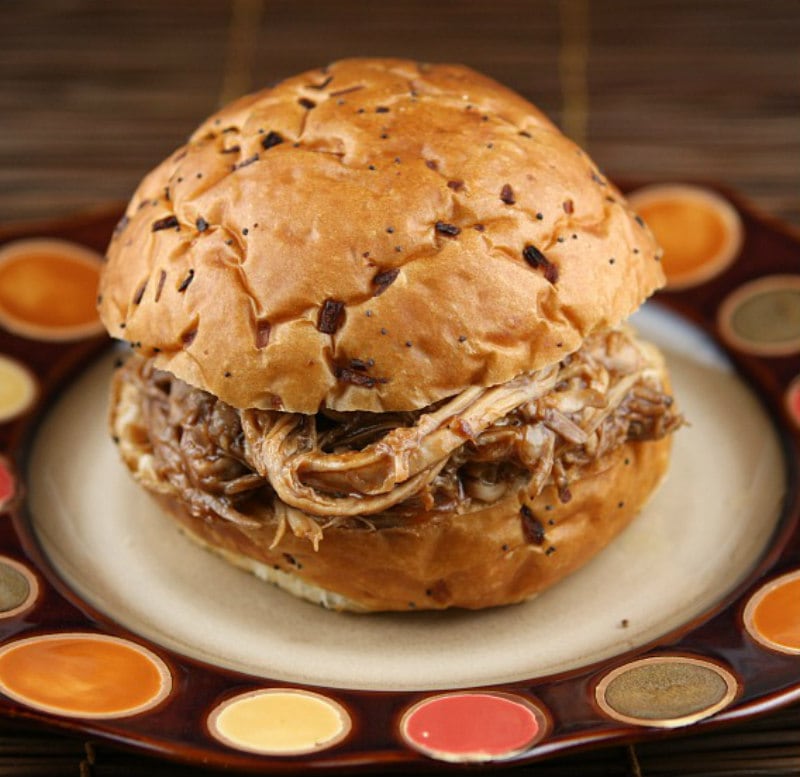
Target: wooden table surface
{"type": "Point", "coordinates": [94, 93]}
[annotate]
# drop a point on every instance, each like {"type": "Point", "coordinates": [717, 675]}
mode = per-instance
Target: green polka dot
{"type": "Point", "coordinates": [14, 588]}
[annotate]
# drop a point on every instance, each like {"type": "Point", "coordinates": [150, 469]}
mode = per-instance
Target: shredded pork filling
{"type": "Point", "coordinates": [540, 428]}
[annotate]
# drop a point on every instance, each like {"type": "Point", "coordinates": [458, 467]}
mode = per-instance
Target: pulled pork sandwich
{"type": "Point", "coordinates": [379, 352]}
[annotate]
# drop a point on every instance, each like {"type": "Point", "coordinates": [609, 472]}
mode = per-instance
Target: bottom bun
{"type": "Point", "coordinates": [501, 554]}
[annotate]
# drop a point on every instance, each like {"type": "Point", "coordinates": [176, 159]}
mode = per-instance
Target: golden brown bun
{"type": "Point", "coordinates": [474, 560]}
{"type": "Point", "coordinates": [260, 270]}
{"type": "Point", "coordinates": [478, 560]}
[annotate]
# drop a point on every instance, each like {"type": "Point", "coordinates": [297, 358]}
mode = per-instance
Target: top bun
{"type": "Point", "coordinates": [375, 235]}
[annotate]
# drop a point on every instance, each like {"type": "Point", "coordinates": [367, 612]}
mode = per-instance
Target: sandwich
{"type": "Point", "coordinates": [378, 350]}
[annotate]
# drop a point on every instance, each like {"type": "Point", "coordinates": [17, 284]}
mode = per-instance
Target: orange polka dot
{"type": "Point", "coordinates": [48, 289]}
{"type": "Point", "coordinates": [700, 232]}
{"type": "Point", "coordinates": [772, 616]}
{"type": "Point", "coordinates": [83, 675]}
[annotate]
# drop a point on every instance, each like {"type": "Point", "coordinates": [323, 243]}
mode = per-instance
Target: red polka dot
{"type": "Point", "coordinates": [473, 726]}
{"type": "Point", "coordinates": [6, 484]}
{"type": "Point", "coordinates": [792, 400]}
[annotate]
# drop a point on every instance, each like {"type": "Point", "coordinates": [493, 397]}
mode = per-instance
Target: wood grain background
{"type": "Point", "coordinates": [93, 93]}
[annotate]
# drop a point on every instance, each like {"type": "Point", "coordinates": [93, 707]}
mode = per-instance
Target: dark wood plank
{"type": "Point", "coordinates": [94, 94]}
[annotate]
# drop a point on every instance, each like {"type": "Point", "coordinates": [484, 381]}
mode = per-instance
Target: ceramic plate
{"type": "Point", "coordinates": [112, 623]}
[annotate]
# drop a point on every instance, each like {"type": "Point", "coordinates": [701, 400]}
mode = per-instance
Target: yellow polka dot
{"type": "Point", "coordinates": [279, 722]}
{"type": "Point", "coordinates": [17, 388]}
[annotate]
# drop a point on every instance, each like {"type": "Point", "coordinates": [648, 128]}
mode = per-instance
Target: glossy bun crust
{"type": "Point", "coordinates": [374, 235]}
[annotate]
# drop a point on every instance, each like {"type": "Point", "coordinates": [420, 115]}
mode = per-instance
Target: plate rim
{"type": "Point", "coordinates": [775, 561]}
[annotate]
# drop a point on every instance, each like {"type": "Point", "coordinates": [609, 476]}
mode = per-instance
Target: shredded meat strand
{"type": "Point", "coordinates": [283, 449]}
{"type": "Point", "coordinates": [313, 471]}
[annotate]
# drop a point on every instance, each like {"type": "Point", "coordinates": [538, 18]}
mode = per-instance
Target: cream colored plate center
{"type": "Point", "coordinates": [698, 538]}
